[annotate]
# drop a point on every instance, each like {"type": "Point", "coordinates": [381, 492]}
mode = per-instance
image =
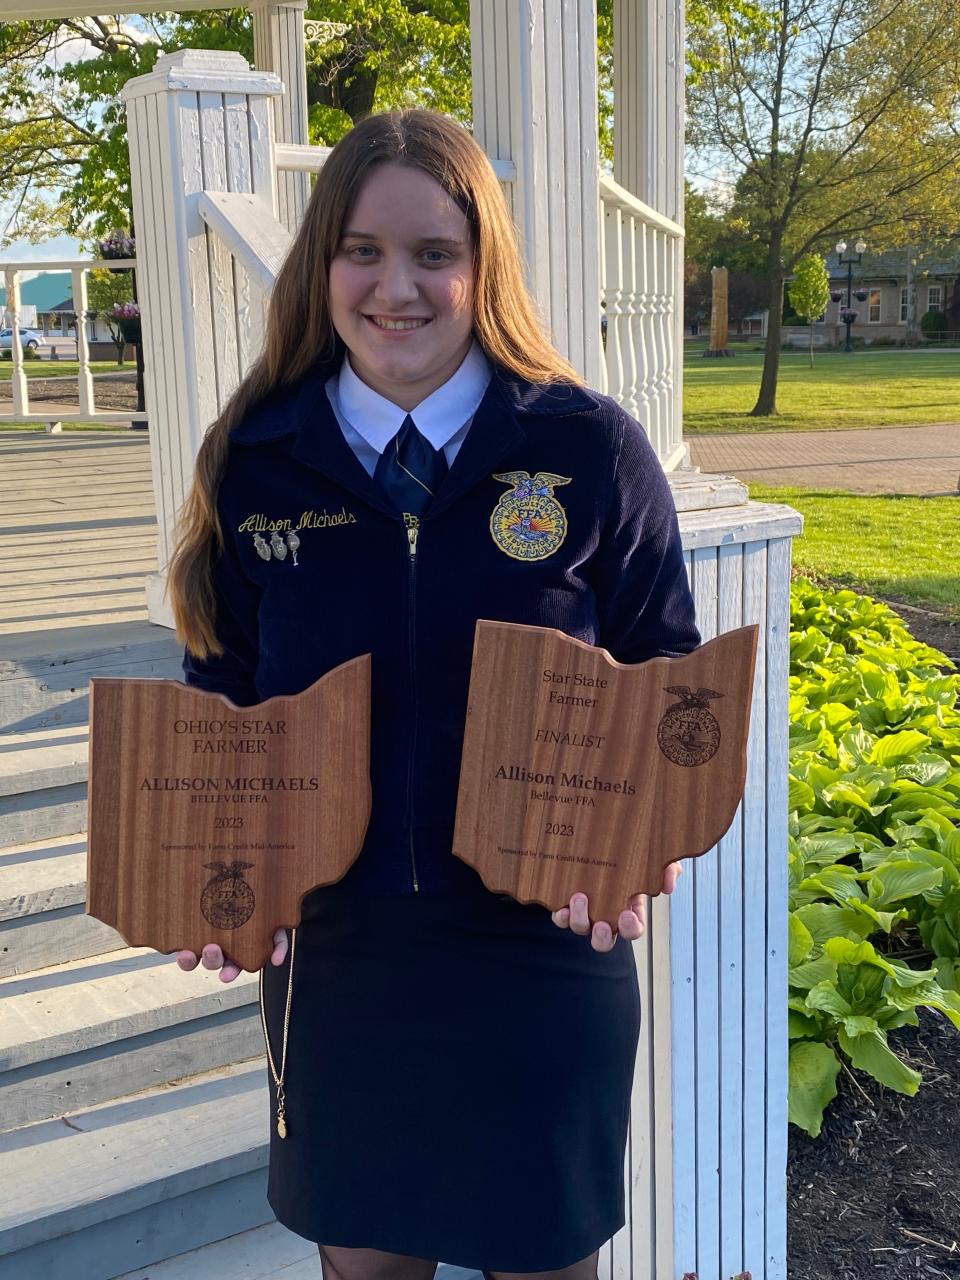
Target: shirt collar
{"type": "Point", "coordinates": [439, 417]}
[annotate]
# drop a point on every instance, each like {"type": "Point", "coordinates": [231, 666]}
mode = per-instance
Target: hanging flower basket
{"type": "Point", "coordinates": [126, 316]}
{"type": "Point", "coordinates": [848, 316]}
{"type": "Point", "coordinates": [118, 245]}
{"type": "Point", "coordinates": [836, 296]}
{"type": "Point", "coordinates": [861, 295]}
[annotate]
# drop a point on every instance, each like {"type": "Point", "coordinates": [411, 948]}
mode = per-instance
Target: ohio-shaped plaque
{"type": "Point", "coordinates": [583, 774]}
{"type": "Point", "coordinates": [209, 822]}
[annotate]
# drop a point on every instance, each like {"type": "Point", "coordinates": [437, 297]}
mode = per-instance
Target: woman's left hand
{"type": "Point", "coordinates": [631, 923]}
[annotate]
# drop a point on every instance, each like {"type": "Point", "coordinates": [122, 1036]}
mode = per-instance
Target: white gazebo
{"type": "Point", "coordinates": [221, 167]}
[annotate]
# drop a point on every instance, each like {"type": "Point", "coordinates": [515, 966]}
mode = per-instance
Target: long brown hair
{"type": "Point", "coordinates": [300, 333]}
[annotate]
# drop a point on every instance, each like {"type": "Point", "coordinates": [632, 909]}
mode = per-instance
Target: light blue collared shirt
{"type": "Point", "coordinates": [369, 421]}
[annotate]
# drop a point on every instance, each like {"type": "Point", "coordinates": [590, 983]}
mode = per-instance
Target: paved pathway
{"type": "Point", "coordinates": [923, 460]}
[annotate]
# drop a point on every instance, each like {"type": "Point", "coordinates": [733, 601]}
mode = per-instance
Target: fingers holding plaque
{"type": "Point", "coordinates": [580, 773]}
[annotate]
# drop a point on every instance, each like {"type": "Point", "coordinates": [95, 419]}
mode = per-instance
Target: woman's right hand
{"type": "Point", "coordinates": [214, 958]}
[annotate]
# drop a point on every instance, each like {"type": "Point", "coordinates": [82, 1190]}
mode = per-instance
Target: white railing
{"type": "Point", "coordinates": [642, 275]}
{"type": "Point", "coordinates": [294, 157]}
{"type": "Point", "coordinates": [87, 410]}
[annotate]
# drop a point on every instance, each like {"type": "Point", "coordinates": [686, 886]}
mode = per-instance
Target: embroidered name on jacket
{"type": "Point", "coordinates": [528, 523]}
{"type": "Point", "coordinates": [259, 523]}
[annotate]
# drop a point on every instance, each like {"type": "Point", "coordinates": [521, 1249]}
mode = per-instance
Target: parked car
{"type": "Point", "coordinates": [31, 338]}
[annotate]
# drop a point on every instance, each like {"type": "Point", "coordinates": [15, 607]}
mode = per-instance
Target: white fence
{"type": "Point", "coordinates": [86, 411]}
{"type": "Point", "coordinates": [642, 277]}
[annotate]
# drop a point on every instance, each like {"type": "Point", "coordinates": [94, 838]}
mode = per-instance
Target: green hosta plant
{"type": "Point", "coordinates": [874, 841]}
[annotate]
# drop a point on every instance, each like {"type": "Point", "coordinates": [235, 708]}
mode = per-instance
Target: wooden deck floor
{"type": "Point", "coordinates": [78, 530]}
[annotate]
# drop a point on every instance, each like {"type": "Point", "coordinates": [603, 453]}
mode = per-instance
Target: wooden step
{"type": "Point", "coordinates": [44, 677]}
{"type": "Point", "coordinates": [124, 1184]}
{"type": "Point", "coordinates": [43, 783]}
{"type": "Point", "coordinates": [78, 1034]}
{"type": "Point", "coordinates": [43, 920]}
{"type": "Point", "coordinates": [265, 1253]}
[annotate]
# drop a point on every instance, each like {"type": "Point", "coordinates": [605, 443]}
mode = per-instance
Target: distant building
{"type": "Point", "coordinates": [892, 285]}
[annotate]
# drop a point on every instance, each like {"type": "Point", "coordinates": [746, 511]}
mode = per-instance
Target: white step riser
{"type": "Point", "coordinates": [39, 815]}
{"type": "Point", "coordinates": [43, 1090]}
{"type": "Point", "coordinates": [37, 694]}
{"type": "Point", "coordinates": [53, 937]}
{"type": "Point", "coordinates": [151, 1233]}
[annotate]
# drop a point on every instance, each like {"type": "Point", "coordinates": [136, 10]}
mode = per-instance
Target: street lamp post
{"type": "Point", "coordinates": [849, 315]}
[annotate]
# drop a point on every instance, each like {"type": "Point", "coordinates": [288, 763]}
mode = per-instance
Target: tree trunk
{"type": "Point", "coordinates": [353, 88]}
{"type": "Point", "coordinates": [767, 399]}
{"type": "Point", "coordinates": [811, 344]}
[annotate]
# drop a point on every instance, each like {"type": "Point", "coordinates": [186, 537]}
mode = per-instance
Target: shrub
{"type": "Point", "coordinates": [933, 322]}
{"type": "Point", "coordinates": [874, 841]}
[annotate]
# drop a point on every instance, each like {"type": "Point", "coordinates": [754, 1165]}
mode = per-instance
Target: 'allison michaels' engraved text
{"type": "Point", "coordinates": [230, 784]}
{"type": "Point", "coordinates": [578, 781]}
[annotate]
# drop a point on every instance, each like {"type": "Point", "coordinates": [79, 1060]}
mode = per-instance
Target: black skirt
{"type": "Point", "coordinates": [457, 1084]}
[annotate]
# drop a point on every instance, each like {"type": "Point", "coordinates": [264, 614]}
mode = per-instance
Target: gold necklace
{"type": "Point", "coordinates": [278, 1079]}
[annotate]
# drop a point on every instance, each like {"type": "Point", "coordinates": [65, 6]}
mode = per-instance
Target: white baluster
{"type": "Point", "coordinates": [613, 293]}
{"type": "Point", "coordinates": [633, 370]}
{"type": "Point", "coordinates": [84, 378]}
{"type": "Point", "coordinates": [21, 397]}
{"type": "Point", "coordinates": [648, 350]}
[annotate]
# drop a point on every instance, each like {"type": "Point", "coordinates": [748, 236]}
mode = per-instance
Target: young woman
{"type": "Point", "coordinates": [450, 1072]}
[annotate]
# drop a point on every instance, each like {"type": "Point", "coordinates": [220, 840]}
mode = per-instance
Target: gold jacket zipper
{"type": "Point", "coordinates": [412, 524]}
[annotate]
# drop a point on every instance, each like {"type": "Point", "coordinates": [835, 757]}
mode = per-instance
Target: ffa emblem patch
{"type": "Point", "coordinates": [688, 734]}
{"type": "Point", "coordinates": [528, 523]}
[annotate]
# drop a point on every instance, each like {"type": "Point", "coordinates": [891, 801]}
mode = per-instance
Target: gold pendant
{"type": "Point", "coordinates": [281, 1125]}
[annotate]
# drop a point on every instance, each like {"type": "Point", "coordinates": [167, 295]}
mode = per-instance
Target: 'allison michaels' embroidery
{"type": "Point", "coordinates": [528, 523]}
{"type": "Point", "coordinates": [259, 523]}
{"type": "Point", "coordinates": [282, 533]}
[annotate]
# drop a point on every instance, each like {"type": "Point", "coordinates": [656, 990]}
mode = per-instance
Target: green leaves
{"type": "Point", "coordinates": [812, 1074]}
{"type": "Point", "coordinates": [874, 843]}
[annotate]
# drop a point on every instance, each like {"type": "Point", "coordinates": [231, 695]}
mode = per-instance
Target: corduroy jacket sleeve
{"type": "Point", "coordinates": [638, 574]}
{"type": "Point", "coordinates": [237, 627]}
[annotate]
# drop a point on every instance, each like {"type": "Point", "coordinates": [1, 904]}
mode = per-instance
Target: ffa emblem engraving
{"type": "Point", "coordinates": [227, 902]}
{"type": "Point", "coordinates": [688, 734]}
{"type": "Point", "coordinates": [528, 523]}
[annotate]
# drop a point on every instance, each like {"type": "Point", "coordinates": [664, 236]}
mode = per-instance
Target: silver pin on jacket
{"type": "Point", "coordinates": [276, 547]}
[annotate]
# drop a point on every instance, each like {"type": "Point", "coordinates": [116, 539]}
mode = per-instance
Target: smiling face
{"type": "Point", "coordinates": [405, 256]}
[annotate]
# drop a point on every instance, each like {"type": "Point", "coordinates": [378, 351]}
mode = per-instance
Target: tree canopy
{"type": "Point", "coordinates": [840, 120]}
{"type": "Point", "coordinates": [64, 165]}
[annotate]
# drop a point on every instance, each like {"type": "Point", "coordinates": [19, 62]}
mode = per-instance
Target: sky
{"type": "Point", "coordinates": [50, 251]}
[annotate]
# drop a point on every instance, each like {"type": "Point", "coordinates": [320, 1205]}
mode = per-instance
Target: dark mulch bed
{"type": "Point", "coordinates": [878, 1193]}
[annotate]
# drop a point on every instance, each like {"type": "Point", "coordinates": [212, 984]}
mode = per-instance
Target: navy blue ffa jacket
{"type": "Point", "coordinates": [556, 512]}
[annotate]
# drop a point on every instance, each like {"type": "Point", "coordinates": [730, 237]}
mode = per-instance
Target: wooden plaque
{"type": "Point", "coordinates": [209, 822]}
{"type": "Point", "coordinates": [583, 774]}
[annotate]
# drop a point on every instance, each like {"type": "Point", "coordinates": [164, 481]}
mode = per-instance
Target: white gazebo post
{"type": "Point", "coordinates": [535, 105]}
{"type": "Point", "coordinates": [279, 45]}
{"type": "Point", "coordinates": [716, 1041]}
{"type": "Point", "coordinates": [198, 122]}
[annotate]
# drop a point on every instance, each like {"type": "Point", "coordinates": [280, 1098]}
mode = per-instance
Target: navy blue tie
{"type": "Point", "coordinates": [410, 470]}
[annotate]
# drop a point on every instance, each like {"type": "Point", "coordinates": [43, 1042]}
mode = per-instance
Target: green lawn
{"type": "Point", "coordinates": [902, 547]}
{"type": "Point", "coordinates": [860, 389]}
{"type": "Point", "coordinates": [64, 368]}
